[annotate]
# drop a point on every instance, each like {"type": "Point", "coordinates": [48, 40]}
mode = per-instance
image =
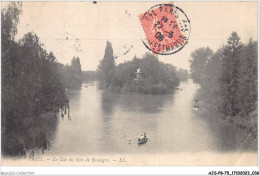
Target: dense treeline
{"type": "Point", "coordinates": [89, 75]}
{"type": "Point", "coordinates": [30, 84]}
{"type": "Point", "coordinates": [182, 74]}
{"type": "Point", "coordinates": [229, 80]}
{"type": "Point", "coordinates": [71, 76]}
{"type": "Point", "coordinates": [157, 77]}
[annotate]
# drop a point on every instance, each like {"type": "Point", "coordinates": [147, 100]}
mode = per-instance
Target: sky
{"type": "Point", "coordinates": [82, 29]}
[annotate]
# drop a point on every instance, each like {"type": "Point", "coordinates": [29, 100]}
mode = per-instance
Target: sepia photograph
{"type": "Point", "coordinates": [157, 83]}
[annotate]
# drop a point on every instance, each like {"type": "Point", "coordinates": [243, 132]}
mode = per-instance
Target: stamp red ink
{"type": "Point", "coordinates": [167, 29]}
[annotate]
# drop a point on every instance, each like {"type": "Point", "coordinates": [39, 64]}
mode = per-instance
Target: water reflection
{"type": "Point", "coordinates": [108, 102]}
{"type": "Point", "coordinates": [132, 102]}
{"type": "Point", "coordinates": [34, 135]}
{"type": "Point", "coordinates": [104, 123]}
{"type": "Point", "coordinates": [125, 117]}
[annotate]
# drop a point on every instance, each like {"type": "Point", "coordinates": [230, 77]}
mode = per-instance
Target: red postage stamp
{"type": "Point", "coordinates": [167, 29]}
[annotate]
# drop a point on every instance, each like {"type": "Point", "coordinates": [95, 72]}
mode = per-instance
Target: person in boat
{"type": "Point", "coordinates": [195, 104]}
{"type": "Point", "coordinates": [142, 136]}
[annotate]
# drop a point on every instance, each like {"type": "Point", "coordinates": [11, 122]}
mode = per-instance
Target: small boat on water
{"type": "Point", "coordinates": [142, 139]}
{"type": "Point", "coordinates": [195, 109]}
{"type": "Point", "coordinates": [196, 105]}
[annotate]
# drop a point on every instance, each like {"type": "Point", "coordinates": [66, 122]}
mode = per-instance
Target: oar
{"type": "Point", "coordinates": [133, 139]}
{"type": "Point", "coordinates": [123, 136]}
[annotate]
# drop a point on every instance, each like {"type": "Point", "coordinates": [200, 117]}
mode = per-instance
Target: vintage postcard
{"type": "Point", "coordinates": [129, 83]}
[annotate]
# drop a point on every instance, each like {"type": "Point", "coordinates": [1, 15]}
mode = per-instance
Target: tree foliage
{"type": "Point", "coordinates": [107, 65]}
{"type": "Point", "coordinates": [247, 92]}
{"type": "Point", "coordinates": [10, 19]}
{"type": "Point", "coordinates": [200, 57]}
{"type": "Point", "coordinates": [30, 82]}
{"type": "Point", "coordinates": [231, 67]}
{"type": "Point", "coordinates": [157, 77]}
{"type": "Point", "coordinates": [182, 74]}
{"type": "Point", "coordinates": [71, 76]}
{"type": "Point", "coordinates": [229, 78]}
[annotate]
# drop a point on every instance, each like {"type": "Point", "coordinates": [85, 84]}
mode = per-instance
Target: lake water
{"type": "Point", "coordinates": [103, 123]}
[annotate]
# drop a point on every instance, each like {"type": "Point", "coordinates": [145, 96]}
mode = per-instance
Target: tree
{"type": "Point", "coordinates": [200, 57]}
{"type": "Point", "coordinates": [10, 19]}
{"type": "Point", "coordinates": [182, 74]}
{"type": "Point", "coordinates": [75, 64]}
{"type": "Point", "coordinates": [30, 83]}
{"type": "Point", "coordinates": [247, 92]}
{"type": "Point", "coordinates": [71, 75]}
{"type": "Point", "coordinates": [107, 65]}
{"type": "Point", "coordinates": [229, 81]}
{"type": "Point", "coordinates": [210, 83]}
{"type": "Point", "coordinates": [157, 77]}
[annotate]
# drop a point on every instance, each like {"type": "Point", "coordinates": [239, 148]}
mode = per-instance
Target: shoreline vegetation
{"type": "Point", "coordinates": [71, 76]}
{"type": "Point", "coordinates": [32, 85]}
{"type": "Point", "coordinates": [249, 126]}
{"type": "Point", "coordinates": [154, 77]}
{"type": "Point", "coordinates": [228, 79]}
